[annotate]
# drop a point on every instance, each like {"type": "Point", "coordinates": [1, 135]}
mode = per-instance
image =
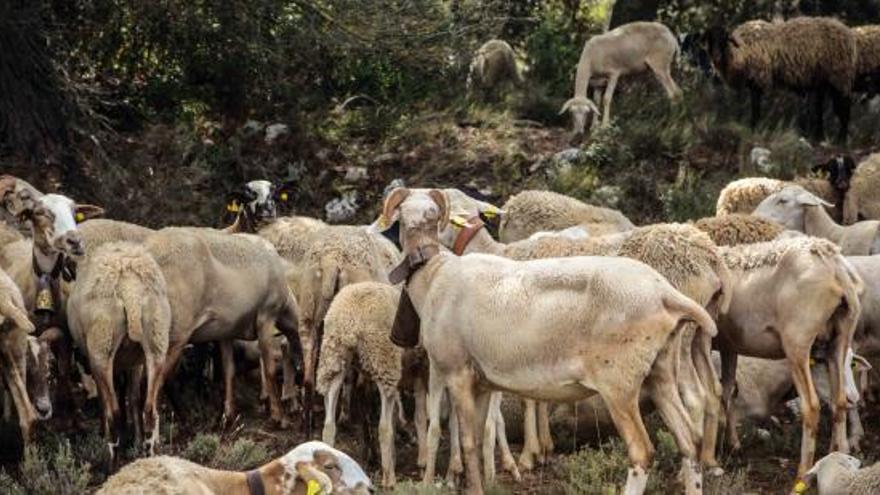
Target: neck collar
{"type": "Point", "coordinates": [467, 231]}
{"type": "Point", "coordinates": [255, 482]}
{"type": "Point", "coordinates": [412, 262]}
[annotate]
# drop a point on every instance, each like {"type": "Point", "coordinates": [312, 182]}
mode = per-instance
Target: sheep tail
{"type": "Point", "coordinates": [853, 287]}
{"type": "Point", "coordinates": [690, 310]}
{"type": "Point", "coordinates": [132, 301]}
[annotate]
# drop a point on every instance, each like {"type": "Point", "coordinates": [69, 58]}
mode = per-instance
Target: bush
{"type": "Point", "coordinates": [202, 448]}
{"type": "Point", "coordinates": [241, 454]}
{"type": "Point", "coordinates": [51, 470]}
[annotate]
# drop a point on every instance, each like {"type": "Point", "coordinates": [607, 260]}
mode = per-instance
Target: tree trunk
{"type": "Point", "coordinates": [626, 11]}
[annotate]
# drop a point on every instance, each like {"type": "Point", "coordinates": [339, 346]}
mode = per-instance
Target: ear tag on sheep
{"type": "Point", "coordinates": [800, 487]}
{"type": "Point", "coordinates": [490, 212]}
{"type": "Point", "coordinates": [459, 222]}
{"type": "Point", "coordinates": [79, 217]}
{"type": "Point", "coordinates": [283, 196]}
{"type": "Point", "coordinates": [313, 488]}
{"type": "Point", "coordinates": [233, 207]}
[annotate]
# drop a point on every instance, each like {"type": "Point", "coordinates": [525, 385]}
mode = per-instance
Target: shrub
{"type": "Point", "coordinates": [241, 454]}
{"type": "Point", "coordinates": [53, 470]}
{"type": "Point", "coordinates": [202, 448]}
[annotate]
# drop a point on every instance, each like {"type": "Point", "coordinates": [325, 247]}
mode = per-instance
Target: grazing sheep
{"type": "Point", "coordinates": [805, 53]}
{"type": "Point", "coordinates": [737, 228]}
{"type": "Point", "coordinates": [311, 467]}
{"type": "Point", "coordinates": [357, 326]}
{"type": "Point", "coordinates": [839, 474]}
{"type": "Point", "coordinates": [470, 307]}
{"type": "Point", "coordinates": [868, 68]}
{"type": "Point", "coordinates": [119, 315]}
{"type": "Point", "coordinates": [797, 209]}
{"type": "Point", "coordinates": [337, 256]}
{"type": "Point", "coordinates": [629, 49]}
{"type": "Point", "coordinates": [528, 212]}
{"type": "Point", "coordinates": [744, 195]}
{"type": "Point", "coordinates": [862, 202]}
{"type": "Point", "coordinates": [774, 314]}
{"type": "Point", "coordinates": [493, 64]}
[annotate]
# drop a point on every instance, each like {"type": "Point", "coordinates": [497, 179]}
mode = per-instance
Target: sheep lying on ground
{"type": "Point", "coordinates": [839, 474]}
{"type": "Point", "coordinates": [493, 64]}
{"type": "Point", "coordinates": [744, 195]}
{"type": "Point", "coordinates": [312, 467]}
{"type": "Point", "coordinates": [356, 329]}
{"type": "Point", "coordinates": [773, 314]}
{"type": "Point", "coordinates": [629, 49]}
{"type": "Point", "coordinates": [533, 211]}
{"type": "Point", "coordinates": [797, 209]}
{"type": "Point", "coordinates": [730, 230]}
{"type": "Point", "coordinates": [119, 305]}
{"type": "Point", "coordinates": [804, 53]}
{"type": "Point", "coordinates": [868, 67]}
{"type": "Point", "coordinates": [470, 307]}
{"type": "Point", "coordinates": [862, 202]}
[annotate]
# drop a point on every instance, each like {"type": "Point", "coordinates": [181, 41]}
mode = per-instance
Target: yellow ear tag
{"type": "Point", "coordinates": [79, 217]}
{"type": "Point", "coordinates": [800, 487]}
{"type": "Point", "coordinates": [233, 207]}
{"type": "Point", "coordinates": [812, 362]}
{"type": "Point", "coordinates": [459, 222]}
{"type": "Point", "coordinates": [284, 196]}
{"type": "Point", "coordinates": [383, 222]}
{"type": "Point", "coordinates": [313, 488]}
{"type": "Point", "coordinates": [490, 212]}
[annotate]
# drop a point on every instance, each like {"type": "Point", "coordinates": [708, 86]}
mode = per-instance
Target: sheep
{"type": "Point", "coordinates": [744, 195]}
{"type": "Point", "coordinates": [311, 467]}
{"type": "Point", "coordinates": [223, 287]}
{"type": "Point", "coordinates": [861, 202]}
{"type": "Point", "coordinates": [99, 231]}
{"type": "Point", "coordinates": [8, 234]}
{"type": "Point", "coordinates": [15, 328]}
{"type": "Point", "coordinates": [471, 306]}
{"type": "Point", "coordinates": [357, 326]}
{"type": "Point", "coordinates": [868, 68]}
{"type": "Point", "coordinates": [120, 305]}
{"type": "Point", "coordinates": [797, 209]}
{"type": "Point", "coordinates": [254, 205]}
{"type": "Point", "coordinates": [625, 50]}
{"type": "Point", "coordinates": [804, 53]}
{"type": "Point", "coordinates": [736, 228]}
{"type": "Point", "coordinates": [493, 64]}
{"type": "Point", "coordinates": [774, 314]}
{"type": "Point", "coordinates": [839, 474]}
{"type": "Point", "coordinates": [532, 211]}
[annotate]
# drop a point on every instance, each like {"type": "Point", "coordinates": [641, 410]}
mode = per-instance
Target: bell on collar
{"type": "Point", "coordinates": [45, 301]}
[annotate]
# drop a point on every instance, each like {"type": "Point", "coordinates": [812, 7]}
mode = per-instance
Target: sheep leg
{"type": "Point", "coordinates": [836, 372]}
{"type": "Point", "coordinates": [331, 399]}
{"type": "Point", "coordinates": [103, 375]}
{"type": "Point", "coordinates": [421, 420]}
{"type": "Point", "coordinates": [799, 361]}
{"type": "Point", "coordinates": [819, 106]}
{"type": "Point", "coordinates": [154, 366]}
{"type": "Point", "coordinates": [623, 406]}
{"type": "Point", "coordinates": [386, 436]}
{"type": "Point", "coordinates": [728, 387]}
{"type": "Point", "coordinates": [288, 389]}
{"type": "Point", "coordinates": [133, 402]}
{"type": "Point", "coordinates": [434, 398]}
{"type": "Point", "coordinates": [841, 105]}
{"type": "Point", "coordinates": [664, 76]}
{"type": "Point", "coordinates": [755, 94]}
{"type": "Point", "coordinates": [597, 99]}
{"type": "Point", "coordinates": [269, 372]}
{"type": "Point", "coordinates": [507, 460]}
{"type": "Point", "coordinates": [61, 348]}
{"type": "Point", "coordinates": [531, 446]}
{"type": "Point", "coordinates": [857, 431]}
{"type": "Point", "coordinates": [485, 414]}
{"type": "Point", "coordinates": [545, 438]}
{"type": "Point", "coordinates": [228, 365]}
{"type": "Point", "coordinates": [701, 353]}
{"type": "Point", "coordinates": [461, 389]}
{"type": "Point", "coordinates": [455, 468]}
{"type": "Point", "coordinates": [13, 374]}
{"type": "Point", "coordinates": [607, 97]}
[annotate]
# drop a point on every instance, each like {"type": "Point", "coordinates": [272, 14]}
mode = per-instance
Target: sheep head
{"type": "Point", "coordinates": [787, 206]}
{"type": "Point", "coordinates": [423, 215]}
{"type": "Point", "coordinates": [840, 171]}
{"type": "Point", "coordinates": [827, 469]}
{"type": "Point", "coordinates": [580, 107]}
{"type": "Point", "coordinates": [256, 201]}
{"type": "Point", "coordinates": [719, 42]}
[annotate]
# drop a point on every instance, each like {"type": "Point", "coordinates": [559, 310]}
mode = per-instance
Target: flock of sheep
{"type": "Point", "coordinates": [449, 298]}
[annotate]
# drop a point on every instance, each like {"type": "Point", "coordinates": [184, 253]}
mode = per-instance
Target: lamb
{"type": "Point", "coordinates": [744, 195]}
{"type": "Point", "coordinates": [357, 326]}
{"type": "Point", "coordinates": [805, 53]}
{"type": "Point", "coordinates": [625, 50]}
{"type": "Point", "coordinates": [868, 68]}
{"type": "Point", "coordinates": [337, 256]}
{"type": "Point", "coordinates": [796, 208]}
{"type": "Point", "coordinates": [472, 306]}
{"type": "Point", "coordinates": [311, 467]}
{"type": "Point", "coordinates": [224, 287]}
{"type": "Point", "coordinates": [533, 211]}
{"type": "Point", "coordinates": [120, 305]}
{"type": "Point", "coordinates": [736, 228]}
{"type": "Point", "coordinates": [839, 474]}
{"type": "Point", "coordinates": [861, 201]}
{"type": "Point", "coordinates": [493, 64]}
{"type": "Point", "coordinates": [773, 314]}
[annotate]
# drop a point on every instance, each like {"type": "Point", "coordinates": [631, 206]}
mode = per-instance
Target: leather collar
{"type": "Point", "coordinates": [466, 233]}
{"type": "Point", "coordinates": [411, 264]}
{"type": "Point", "coordinates": [255, 482]}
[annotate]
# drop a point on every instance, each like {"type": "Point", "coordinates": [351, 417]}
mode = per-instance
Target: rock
{"type": "Point", "coordinates": [252, 127]}
{"type": "Point", "coordinates": [274, 131]}
{"type": "Point", "coordinates": [342, 209]}
{"type": "Point", "coordinates": [760, 159]}
{"type": "Point", "coordinates": [569, 155]}
{"type": "Point", "coordinates": [394, 184]}
{"type": "Point", "coordinates": [355, 174]}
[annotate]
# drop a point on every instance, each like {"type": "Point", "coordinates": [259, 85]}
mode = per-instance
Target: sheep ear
{"type": "Point", "coordinates": [861, 363]}
{"type": "Point", "coordinates": [439, 197]}
{"type": "Point", "coordinates": [84, 212]}
{"type": "Point", "coordinates": [19, 317]}
{"type": "Point", "coordinates": [566, 106]}
{"type": "Point", "coordinates": [392, 202]}
{"type": "Point", "coordinates": [809, 199]}
{"type": "Point", "coordinates": [593, 107]}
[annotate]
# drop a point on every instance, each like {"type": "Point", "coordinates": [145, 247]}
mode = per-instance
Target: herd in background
{"type": "Point", "coordinates": [447, 298]}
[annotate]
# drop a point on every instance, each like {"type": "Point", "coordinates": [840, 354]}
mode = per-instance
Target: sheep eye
{"type": "Point", "coordinates": [782, 201]}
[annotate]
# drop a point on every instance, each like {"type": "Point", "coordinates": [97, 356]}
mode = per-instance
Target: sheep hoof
{"type": "Point", "coordinates": [715, 471]}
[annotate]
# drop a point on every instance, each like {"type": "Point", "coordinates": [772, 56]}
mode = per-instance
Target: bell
{"type": "Point", "coordinates": [44, 300]}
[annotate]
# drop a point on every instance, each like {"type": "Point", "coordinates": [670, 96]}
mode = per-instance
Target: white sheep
{"type": "Point", "coordinates": [478, 312]}
{"type": "Point", "coordinates": [311, 467]}
{"type": "Point", "coordinates": [839, 474]}
{"type": "Point", "coordinates": [797, 209]}
{"type": "Point", "coordinates": [356, 330]}
{"type": "Point", "coordinates": [773, 314]}
{"type": "Point", "coordinates": [744, 195]}
{"type": "Point", "coordinates": [528, 212]}
{"type": "Point", "coordinates": [629, 49]}
{"type": "Point", "coordinates": [861, 201]}
{"type": "Point", "coordinates": [493, 64]}
{"type": "Point", "coordinates": [119, 303]}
